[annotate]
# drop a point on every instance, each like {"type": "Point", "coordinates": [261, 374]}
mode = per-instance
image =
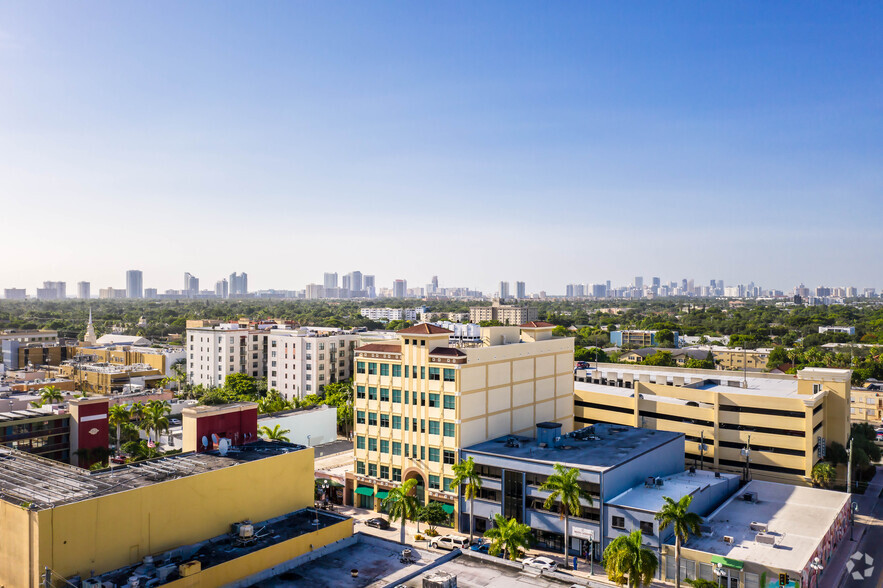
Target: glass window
{"type": "Point", "coordinates": [360, 417]}
{"type": "Point", "coordinates": [384, 446]}
{"type": "Point", "coordinates": [434, 482]}
{"type": "Point", "coordinates": [372, 419]}
{"type": "Point", "coordinates": [396, 371]}
{"type": "Point", "coordinates": [617, 522]}
{"type": "Point", "coordinates": [450, 401]}
{"type": "Point", "coordinates": [372, 469]}
{"type": "Point", "coordinates": [433, 400]}
{"type": "Point", "coordinates": [360, 442]}
{"type": "Point", "coordinates": [384, 369]}
{"type": "Point", "coordinates": [449, 485]}
{"type": "Point", "coordinates": [448, 457]}
{"type": "Point", "coordinates": [384, 395]}
{"type": "Point", "coordinates": [449, 430]}
{"type": "Point", "coordinates": [396, 421]}
{"type": "Point", "coordinates": [360, 467]}
{"type": "Point", "coordinates": [360, 392]}
{"type": "Point", "coordinates": [422, 372]}
{"type": "Point", "coordinates": [372, 368]}
{"type": "Point", "coordinates": [422, 452]}
{"type": "Point", "coordinates": [434, 428]}
{"type": "Point", "coordinates": [406, 397]}
{"type": "Point", "coordinates": [396, 395]}
{"type": "Point", "coordinates": [647, 528]}
{"type": "Point", "coordinates": [434, 374]}
{"type": "Point", "coordinates": [396, 448]}
{"type": "Point", "coordinates": [434, 454]}
{"type": "Point", "coordinates": [396, 475]}
{"type": "Point", "coordinates": [372, 444]}
{"type": "Point", "coordinates": [449, 375]}
{"type": "Point", "coordinates": [384, 420]}
{"type": "Point", "coordinates": [384, 472]}
{"type": "Point", "coordinates": [360, 368]}
{"type": "Point", "coordinates": [372, 393]}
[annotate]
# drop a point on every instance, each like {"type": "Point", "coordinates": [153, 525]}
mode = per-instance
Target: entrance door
{"type": "Point", "coordinates": [734, 580]}
{"type": "Point", "coordinates": [420, 492]}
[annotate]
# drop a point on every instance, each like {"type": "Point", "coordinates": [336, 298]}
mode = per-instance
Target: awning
{"type": "Point", "coordinates": [727, 562]}
{"type": "Point", "coordinates": [365, 491]}
{"type": "Point", "coordinates": [448, 508]}
{"type": "Point", "coordinates": [382, 494]}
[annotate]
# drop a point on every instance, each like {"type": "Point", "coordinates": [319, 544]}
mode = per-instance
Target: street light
{"type": "Point", "coordinates": [816, 566]}
{"type": "Point", "coordinates": [719, 572]}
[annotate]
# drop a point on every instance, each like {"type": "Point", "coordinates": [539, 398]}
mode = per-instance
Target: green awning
{"type": "Point", "coordinates": [365, 491]}
{"type": "Point", "coordinates": [727, 562]}
{"type": "Point", "coordinates": [448, 508]}
{"type": "Point", "coordinates": [382, 494]}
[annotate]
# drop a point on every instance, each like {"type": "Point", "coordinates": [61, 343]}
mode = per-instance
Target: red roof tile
{"type": "Point", "coordinates": [536, 325]}
{"type": "Point", "coordinates": [447, 351]}
{"type": "Point", "coordinates": [381, 348]}
{"type": "Point", "coordinates": [424, 329]}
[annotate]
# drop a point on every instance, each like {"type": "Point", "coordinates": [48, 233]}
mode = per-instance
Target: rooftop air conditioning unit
{"type": "Point", "coordinates": [729, 539]}
{"type": "Point", "coordinates": [650, 482]}
{"type": "Point", "coordinates": [750, 497]}
{"type": "Point", "coordinates": [755, 526]}
{"type": "Point", "coordinates": [765, 538]}
{"type": "Point", "coordinates": [659, 482]}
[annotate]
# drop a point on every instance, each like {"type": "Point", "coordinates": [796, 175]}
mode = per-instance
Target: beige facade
{"type": "Point", "coordinates": [866, 406]}
{"type": "Point", "coordinates": [419, 400]}
{"type": "Point", "coordinates": [505, 313]}
{"type": "Point", "coordinates": [737, 359]}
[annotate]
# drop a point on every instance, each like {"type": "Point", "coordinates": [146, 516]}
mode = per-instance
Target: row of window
{"type": "Point", "coordinates": [395, 448]}
{"type": "Point", "coordinates": [385, 395]}
{"type": "Point", "coordinates": [386, 421]}
{"type": "Point", "coordinates": [619, 523]}
{"type": "Point", "coordinates": [371, 368]}
{"type": "Point", "coordinates": [395, 475]}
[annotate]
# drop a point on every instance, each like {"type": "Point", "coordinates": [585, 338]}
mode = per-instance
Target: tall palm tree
{"type": "Point", "coordinates": [467, 478]}
{"type": "Point", "coordinates": [277, 433]}
{"type": "Point", "coordinates": [566, 490]}
{"type": "Point", "coordinates": [401, 503]}
{"type": "Point", "coordinates": [51, 395]}
{"type": "Point", "coordinates": [628, 562]}
{"type": "Point", "coordinates": [683, 522]}
{"type": "Point", "coordinates": [137, 411]}
{"type": "Point", "coordinates": [119, 416]}
{"type": "Point", "coordinates": [823, 473]}
{"type": "Point", "coordinates": [155, 418]}
{"type": "Point", "coordinates": [508, 536]}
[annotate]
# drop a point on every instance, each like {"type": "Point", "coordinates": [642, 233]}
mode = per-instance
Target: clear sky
{"type": "Point", "coordinates": [545, 142]}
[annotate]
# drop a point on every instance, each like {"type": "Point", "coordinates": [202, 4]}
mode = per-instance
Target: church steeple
{"type": "Point", "coordinates": [90, 338]}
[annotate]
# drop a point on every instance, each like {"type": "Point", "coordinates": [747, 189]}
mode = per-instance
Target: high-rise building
{"type": "Point", "coordinates": [504, 290]}
{"type": "Point", "coordinates": [346, 282]}
{"type": "Point", "coordinates": [434, 284]}
{"type": "Point", "coordinates": [368, 286]}
{"type": "Point", "coordinates": [304, 361]}
{"type": "Point", "coordinates": [84, 290]}
{"type": "Point", "coordinates": [504, 313]}
{"type": "Point", "coordinates": [330, 280]}
{"type": "Point", "coordinates": [243, 352]}
{"type": "Point", "coordinates": [400, 288]}
{"type": "Point", "coordinates": [639, 282]}
{"type": "Point", "coordinates": [15, 293]}
{"type": "Point", "coordinates": [222, 288]}
{"type": "Point", "coordinates": [520, 291]}
{"type": "Point", "coordinates": [314, 291]}
{"type": "Point", "coordinates": [238, 285]}
{"type": "Point", "coordinates": [356, 281]}
{"type": "Point", "coordinates": [656, 282]}
{"type": "Point", "coordinates": [191, 285]}
{"type": "Point", "coordinates": [52, 291]}
{"type": "Point", "coordinates": [134, 284]}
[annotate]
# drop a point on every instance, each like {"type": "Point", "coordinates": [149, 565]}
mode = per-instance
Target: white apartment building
{"type": "Point", "coordinates": [301, 362]}
{"type": "Point", "coordinates": [834, 329]}
{"type": "Point", "coordinates": [394, 314]}
{"type": "Point", "coordinates": [213, 353]}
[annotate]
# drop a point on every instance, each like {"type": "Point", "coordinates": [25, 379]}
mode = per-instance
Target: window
{"type": "Point", "coordinates": [434, 428]}
{"type": "Point", "coordinates": [414, 371]}
{"type": "Point", "coordinates": [360, 467]}
{"type": "Point", "coordinates": [434, 374]}
{"type": "Point", "coordinates": [434, 482]}
{"type": "Point", "coordinates": [384, 446]}
{"type": "Point", "coordinates": [449, 375]}
{"type": "Point", "coordinates": [372, 444]}
{"type": "Point", "coordinates": [422, 452]}
{"type": "Point", "coordinates": [448, 457]}
{"type": "Point", "coordinates": [433, 400]}
{"type": "Point", "coordinates": [384, 395]}
{"type": "Point", "coordinates": [372, 470]}
{"type": "Point", "coordinates": [434, 454]}
{"type": "Point", "coordinates": [406, 397]}
{"type": "Point", "coordinates": [413, 425]}
{"type": "Point", "coordinates": [617, 522]}
{"type": "Point", "coordinates": [360, 442]}
{"type": "Point", "coordinates": [422, 372]}
{"type": "Point", "coordinates": [647, 527]}
{"type": "Point", "coordinates": [384, 472]}
{"type": "Point", "coordinates": [372, 369]}
{"type": "Point", "coordinates": [396, 475]}
{"type": "Point", "coordinates": [449, 430]}
{"type": "Point", "coordinates": [396, 448]}
{"type": "Point", "coordinates": [423, 399]}
{"type": "Point", "coordinates": [396, 421]}
{"type": "Point", "coordinates": [397, 396]}
{"type": "Point", "coordinates": [360, 367]}
{"type": "Point", "coordinates": [396, 371]}
{"type": "Point", "coordinates": [450, 401]}
{"type": "Point", "coordinates": [384, 420]}
{"type": "Point", "coordinates": [384, 369]}
{"type": "Point", "coordinates": [449, 485]}
{"type": "Point", "coordinates": [372, 419]}
{"type": "Point", "coordinates": [360, 417]}
{"type": "Point", "coordinates": [360, 392]}
{"type": "Point", "coordinates": [372, 393]}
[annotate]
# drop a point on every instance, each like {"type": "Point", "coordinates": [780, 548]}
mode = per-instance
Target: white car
{"type": "Point", "coordinates": [449, 542]}
{"type": "Point", "coordinates": [540, 563]}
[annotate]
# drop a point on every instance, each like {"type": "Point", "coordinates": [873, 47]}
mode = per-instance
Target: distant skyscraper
{"type": "Point", "coordinates": [504, 290]}
{"type": "Point", "coordinates": [346, 282]}
{"type": "Point", "coordinates": [84, 290]}
{"type": "Point", "coordinates": [657, 282]}
{"type": "Point", "coordinates": [151, 293]}
{"type": "Point", "coordinates": [191, 284]}
{"type": "Point", "coordinates": [238, 285]}
{"type": "Point", "coordinates": [639, 282]}
{"type": "Point", "coordinates": [368, 286]}
{"type": "Point", "coordinates": [134, 284]}
{"type": "Point", "coordinates": [314, 291]}
{"type": "Point", "coordinates": [400, 288]}
{"type": "Point", "coordinates": [52, 291]}
{"type": "Point", "coordinates": [434, 284]}
{"type": "Point", "coordinates": [569, 290]}
{"type": "Point", "coordinates": [520, 291]}
{"type": "Point", "coordinates": [330, 280]}
{"type": "Point", "coordinates": [356, 281]}
{"type": "Point", "coordinates": [222, 288]}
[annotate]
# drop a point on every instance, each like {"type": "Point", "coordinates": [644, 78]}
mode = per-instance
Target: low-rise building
{"type": "Point", "coordinates": [867, 405]}
{"type": "Point", "coordinates": [836, 329]}
{"type": "Point", "coordinates": [108, 378]}
{"type": "Point", "coordinates": [393, 314]}
{"type": "Point", "coordinates": [635, 338]}
{"type": "Point", "coordinates": [679, 356]}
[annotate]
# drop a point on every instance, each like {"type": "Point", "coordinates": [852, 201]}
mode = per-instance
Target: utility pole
{"type": "Point", "coordinates": [849, 468]}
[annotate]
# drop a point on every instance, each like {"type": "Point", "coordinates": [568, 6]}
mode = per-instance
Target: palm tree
{"type": "Point", "coordinates": [627, 561]}
{"type": "Point", "coordinates": [467, 478]}
{"type": "Point", "coordinates": [140, 449]}
{"type": "Point", "coordinates": [51, 395]}
{"type": "Point", "coordinates": [155, 418]}
{"type": "Point", "coordinates": [118, 416]}
{"type": "Point", "coordinates": [508, 536]}
{"type": "Point", "coordinates": [137, 411]}
{"type": "Point", "coordinates": [277, 433]}
{"type": "Point", "coordinates": [823, 473]}
{"type": "Point", "coordinates": [565, 489]}
{"type": "Point", "coordinates": [401, 503]}
{"type": "Point", "coordinates": [683, 522]}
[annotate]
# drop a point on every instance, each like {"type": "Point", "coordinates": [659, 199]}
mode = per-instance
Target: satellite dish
{"type": "Point", "coordinates": [223, 446]}
{"type": "Point", "coordinates": [215, 439]}
{"type": "Point", "coordinates": [204, 442]}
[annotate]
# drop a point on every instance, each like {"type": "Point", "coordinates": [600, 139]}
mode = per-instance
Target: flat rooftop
{"type": "Point", "coordinates": [7, 418]}
{"type": "Point", "coordinates": [599, 447]}
{"type": "Point", "coordinates": [675, 487]}
{"type": "Point", "coordinates": [797, 517]}
{"type": "Point", "coordinates": [731, 382]}
{"type": "Point", "coordinates": [472, 572]}
{"type": "Point", "coordinates": [43, 483]}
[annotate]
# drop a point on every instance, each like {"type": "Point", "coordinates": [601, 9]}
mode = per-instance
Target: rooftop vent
{"type": "Point", "coordinates": [729, 539]}
{"type": "Point", "coordinates": [765, 538]}
{"type": "Point", "coordinates": [755, 526]}
{"type": "Point", "coordinates": [750, 497]}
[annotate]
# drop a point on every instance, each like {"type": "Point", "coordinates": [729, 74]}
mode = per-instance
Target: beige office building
{"type": "Point", "coordinates": [420, 399]}
{"type": "Point", "coordinates": [507, 314]}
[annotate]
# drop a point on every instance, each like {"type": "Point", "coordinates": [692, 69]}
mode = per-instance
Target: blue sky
{"type": "Point", "coordinates": [551, 143]}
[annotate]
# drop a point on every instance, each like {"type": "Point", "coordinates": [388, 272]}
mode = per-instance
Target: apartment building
{"type": "Point", "coordinates": [506, 314]}
{"type": "Point", "coordinates": [15, 293]}
{"type": "Point", "coordinates": [834, 329]}
{"type": "Point", "coordinates": [738, 358]}
{"type": "Point", "coordinates": [421, 398]}
{"type": "Point", "coordinates": [393, 314]}
{"type": "Point", "coordinates": [303, 361]}
{"type": "Point", "coordinates": [867, 405]}
{"type": "Point", "coordinates": [633, 338]}
{"type": "Point", "coordinates": [779, 420]}
{"type": "Point", "coordinates": [214, 352]}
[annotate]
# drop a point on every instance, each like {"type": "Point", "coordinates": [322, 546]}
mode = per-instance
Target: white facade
{"type": "Point", "coordinates": [300, 362]}
{"type": "Point", "coordinates": [845, 330]}
{"type": "Point", "coordinates": [213, 353]}
{"type": "Point", "coordinates": [393, 314]}
{"type": "Point", "coordinates": [306, 427]}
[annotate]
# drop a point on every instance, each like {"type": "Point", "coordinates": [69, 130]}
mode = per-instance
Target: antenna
{"type": "Point", "coordinates": [223, 446]}
{"type": "Point", "coordinates": [215, 439]}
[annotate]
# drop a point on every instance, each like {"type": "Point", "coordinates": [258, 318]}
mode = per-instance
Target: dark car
{"type": "Point", "coordinates": [484, 547]}
{"type": "Point", "coordinates": [378, 523]}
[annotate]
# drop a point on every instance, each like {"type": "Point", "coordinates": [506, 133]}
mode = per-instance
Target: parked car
{"type": "Point", "coordinates": [378, 523]}
{"type": "Point", "coordinates": [449, 542]}
{"type": "Point", "coordinates": [582, 365]}
{"type": "Point", "coordinates": [540, 563]}
{"type": "Point", "coordinates": [484, 546]}
{"type": "Point", "coordinates": [879, 434]}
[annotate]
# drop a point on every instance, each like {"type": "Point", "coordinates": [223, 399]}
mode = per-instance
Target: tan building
{"type": "Point", "coordinates": [159, 358]}
{"type": "Point", "coordinates": [107, 378]}
{"type": "Point", "coordinates": [419, 399]}
{"type": "Point", "coordinates": [738, 358]}
{"type": "Point", "coordinates": [866, 406]}
{"type": "Point", "coordinates": [507, 314]}
{"type": "Point", "coordinates": [785, 416]}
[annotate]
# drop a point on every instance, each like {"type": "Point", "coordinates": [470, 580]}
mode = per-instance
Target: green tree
{"type": "Point", "coordinates": [466, 478]}
{"type": "Point", "coordinates": [677, 515]}
{"type": "Point", "coordinates": [665, 338]}
{"type": "Point", "coordinates": [628, 562]}
{"type": "Point", "coordinates": [156, 418]}
{"type": "Point", "coordinates": [433, 514]}
{"type": "Point", "coordinates": [508, 536]}
{"type": "Point", "coordinates": [51, 395]}
{"type": "Point", "coordinates": [137, 411]}
{"type": "Point", "coordinates": [277, 433]}
{"type": "Point", "coordinates": [823, 474]}
{"type": "Point", "coordinates": [778, 356]}
{"type": "Point", "coordinates": [119, 416]}
{"type": "Point", "coordinates": [400, 503]}
{"type": "Point", "coordinates": [660, 358]}
{"type": "Point", "coordinates": [242, 386]}
{"type": "Point", "coordinates": [566, 492]}
{"type": "Point", "coordinates": [139, 450]}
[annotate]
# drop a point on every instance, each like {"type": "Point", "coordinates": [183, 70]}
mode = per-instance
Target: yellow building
{"type": "Point", "coordinates": [737, 358]}
{"type": "Point", "coordinates": [107, 378]}
{"type": "Point", "coordinates": [866, 406]}
{"type": "Point", "coordinates": [80, 523]}
{"type": "Point", "coordinates": [160, 359]}
{"type": "Point", "coordinates": [785, 416]}
{"type": "Point", "coordinates": [421, 398]}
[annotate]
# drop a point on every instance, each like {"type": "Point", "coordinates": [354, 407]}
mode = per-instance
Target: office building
{"type": "Point", "coordinates": [222, 288]}
{"type": "Point", "coordinates": [330, 280]}
{"type": "Point", "coordinates": [400, 288]}
{"type": "Point", "coordinates": [214, 352]}
{"type": "Point", "coordinates": [504, 290]}
{"type": "Point", "coordinates": [504, 313]}
{"type": "Point", "coordinates": [301, 362]}
{"type": "Point", "coordinates": [421, 398]}
{"type": "Point", "coordinates": [520, 291]}
{"type": "Point", "coordinates": [134, 284]}
{"type": "Point", "coordinates": [368, 281]}
{"type": "Point", "coordinates": [355, 281]}
{"type": "Point", "coordinates": [15, 294]}
{"type": "Point", "coordinates": [52, 291]}
{"type": "Point", "coordinates": [191, 285]}
{"type": "Point", "coordinates": [238, 285]}
{"type": "Point", "coordinates": [781, 421]}
{"type": "Point", "coordinates": [84, 290]}
{"type": "Point", "coordinates": [639, 282]}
